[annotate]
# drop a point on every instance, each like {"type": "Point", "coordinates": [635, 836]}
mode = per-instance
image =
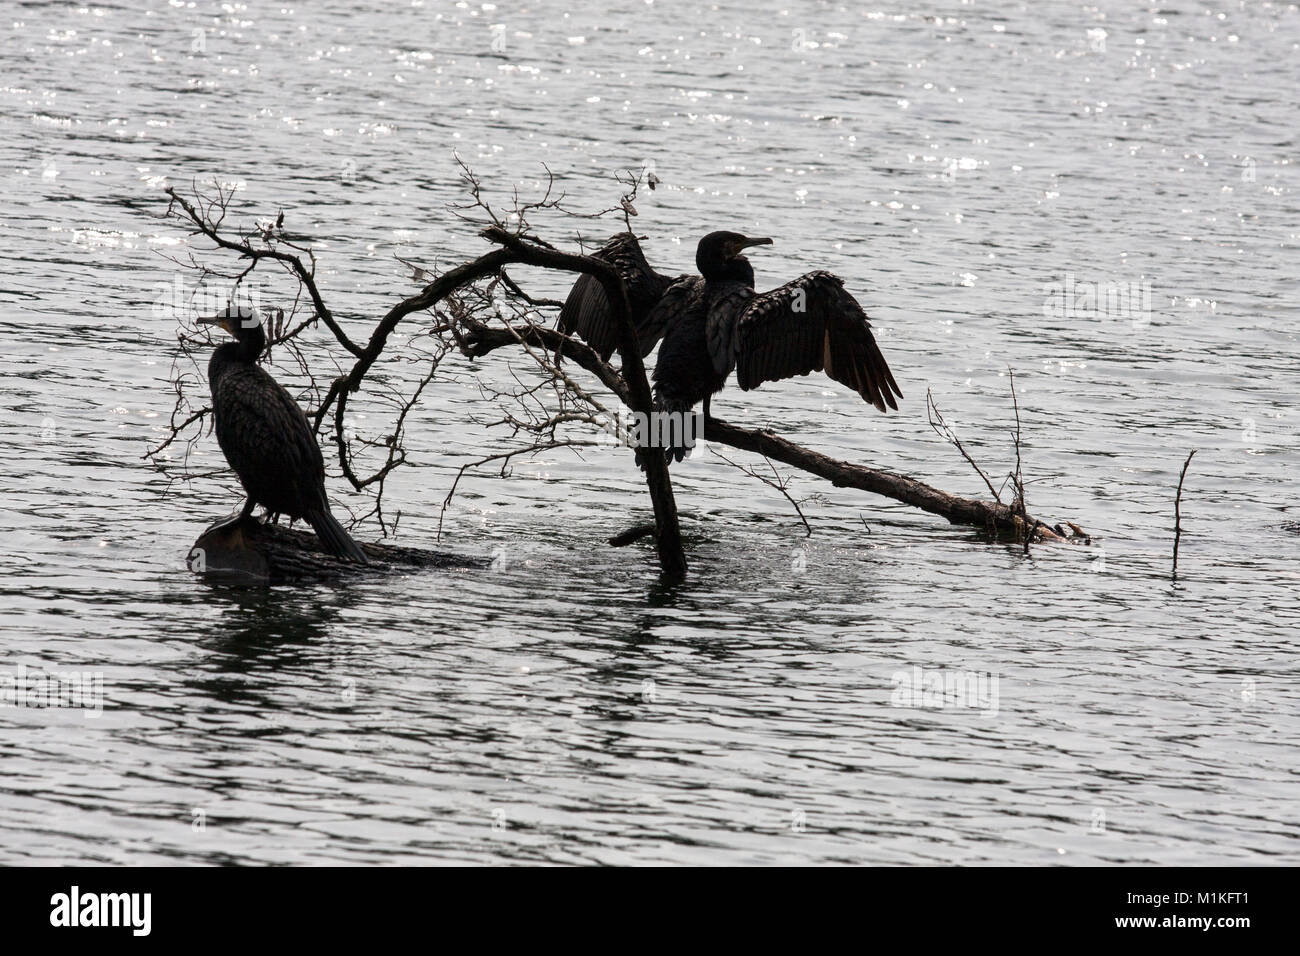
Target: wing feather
{"type": "Point", "coordinates": [807, 325]}
{"type": "Point", "coordinates": [267, 440]}
{"type": "Point", "coordinates": [678, 298]}
{"type": "Point", "coordinates": [726, 304]}
{"type": "Point", "coordinates": [587, 310]}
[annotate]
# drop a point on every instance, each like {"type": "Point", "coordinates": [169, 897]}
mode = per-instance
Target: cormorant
{"type": "Point", "coordinates": [715, 322]}
{"type": "Point", "coordinates": [265, 435]}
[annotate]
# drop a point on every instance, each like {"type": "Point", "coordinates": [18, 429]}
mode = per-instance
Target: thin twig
{"type": "Point", "coordinates": [778, 481]}
{"type": "Point", "coordinates": [949, 434]}
{"type": "Point", "coordinates": [1178, 518]}
{"type": "Point", "coordinates": [1019, 478]}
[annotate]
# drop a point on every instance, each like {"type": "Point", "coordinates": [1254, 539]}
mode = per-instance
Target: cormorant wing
{"type": "Point", "coordinates": [683, 362]}
{"type": "Point", "coordinates": [268, 440]}
{"type": "Point", "coordinates": [811, 324]}
{"type": "Point", "coordinates": [726, 306]}
{"type": "Point", "coordinates": [587, 310]}
{"type": "Point", "coordinates": [679, 296]}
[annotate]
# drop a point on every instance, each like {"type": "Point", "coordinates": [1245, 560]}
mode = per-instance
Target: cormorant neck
{"type": "Point", "coordinates": [737, 269]}
{"type": "Point", "coordinates": [243, 351]}
{"type": "Point", "coordinates": [251, 343]}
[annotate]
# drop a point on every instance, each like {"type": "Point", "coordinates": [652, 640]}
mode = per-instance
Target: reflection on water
{"type": "Point", "coordinates": [957, 166]}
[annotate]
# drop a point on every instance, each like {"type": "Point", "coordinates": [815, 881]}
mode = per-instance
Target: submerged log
{"type": "Point", "coordinates": [253, 552]}
{"type": "Point", "coordinates": [632, 535]}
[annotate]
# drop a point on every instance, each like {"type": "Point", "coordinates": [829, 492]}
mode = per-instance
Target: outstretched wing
{"type": "Point", "coordinates": [812, 324]}
{"type": "Point", "coordinates": [587, 310]}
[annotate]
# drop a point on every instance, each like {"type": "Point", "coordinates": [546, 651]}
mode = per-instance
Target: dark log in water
{"type": "Point", "coordinates": [990, 515]}
{"type": "Point", "coordinates": [253, 552]}
{"type": "Point", "coordinates": [632, 535]}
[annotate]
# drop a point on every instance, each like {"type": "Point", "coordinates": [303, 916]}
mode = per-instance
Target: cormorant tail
{"type": "Point", "coordinates": [673, 438]}
{"type": "Point", "coordinates": [337, 541]}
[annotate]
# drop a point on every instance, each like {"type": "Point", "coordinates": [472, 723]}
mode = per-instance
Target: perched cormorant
{"type": "Point", "coordinates": [715, 322]}
{"type": "Point", "coordinates": [265, 435]}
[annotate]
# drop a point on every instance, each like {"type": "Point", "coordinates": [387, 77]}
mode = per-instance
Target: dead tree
{"type": "Point", "coordinates": [478, 309]}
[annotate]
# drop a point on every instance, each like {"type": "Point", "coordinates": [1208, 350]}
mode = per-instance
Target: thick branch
{"type": "Point", "coordinates": [636, 395]}
{"type": "Point", "coordinates": [483, 339]}
{"type": "Point", "coordinates": [958, 510]}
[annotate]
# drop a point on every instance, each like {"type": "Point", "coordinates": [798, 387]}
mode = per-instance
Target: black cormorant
{"type": "Point", "coordinates": [265, 435]}
{"type": "Point", "coordinates": [715, 322]}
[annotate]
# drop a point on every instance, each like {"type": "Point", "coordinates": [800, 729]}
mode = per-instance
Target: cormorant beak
{"type": "Point", "coordinates": [746, 243]}
{"type": "Point", "coordinates": [219, 320]}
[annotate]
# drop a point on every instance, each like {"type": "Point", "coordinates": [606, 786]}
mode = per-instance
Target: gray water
{"type": "Point", "coordinates": [952, 162]}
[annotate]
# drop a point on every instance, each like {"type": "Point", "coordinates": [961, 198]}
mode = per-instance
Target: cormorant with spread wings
{"type": "Point", "coordinates": [715, 322]}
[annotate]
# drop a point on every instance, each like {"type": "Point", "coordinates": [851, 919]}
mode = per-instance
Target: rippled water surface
{"type": "Point", "coordinates": [952, 162]}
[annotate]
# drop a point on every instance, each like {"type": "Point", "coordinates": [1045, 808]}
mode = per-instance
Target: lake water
{"type": "Point", "coordinates": [956, 163]}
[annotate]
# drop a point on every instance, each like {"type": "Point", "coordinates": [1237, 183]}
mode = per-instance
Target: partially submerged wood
{"type": "Point", "coordinates": [252, 552]}
{"type": "Point", "coordinates": [993, 516]}
{"type": "Point", "coordinates": [632, 535]}
{"type": "Point", "coordinates": [990, 515]}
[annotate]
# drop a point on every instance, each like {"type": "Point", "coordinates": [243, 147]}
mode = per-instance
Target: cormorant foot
{"type": "Point", "coordinates": [232, 520]}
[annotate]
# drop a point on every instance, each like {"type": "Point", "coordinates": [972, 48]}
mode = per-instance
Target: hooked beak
{"type": "Point", "coordinates": [221, 321]}
{"type": "Point", "coordinates": [754, 242]}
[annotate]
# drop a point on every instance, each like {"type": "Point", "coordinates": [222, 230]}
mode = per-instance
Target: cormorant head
{"type": "Point", "coordinates": [718, 256]}
{"type": "Point", "coordinates": [244, 324]}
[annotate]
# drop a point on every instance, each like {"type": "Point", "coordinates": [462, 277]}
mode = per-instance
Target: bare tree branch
{"type": "Point", "coordinates": [476, 309]}
{"type": "Point", "coordinates": [993, 516]}
{"type": "Point", "coordinates": [778, 481]}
